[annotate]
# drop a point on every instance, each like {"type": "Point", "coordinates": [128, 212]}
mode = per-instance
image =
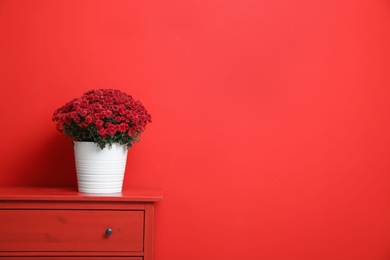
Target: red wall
{"type": "Point", "coordinates": [271, 129]}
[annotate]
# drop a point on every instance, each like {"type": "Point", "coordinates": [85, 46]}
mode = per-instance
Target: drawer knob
{"type": "Point", "coordinates": [108, 231]}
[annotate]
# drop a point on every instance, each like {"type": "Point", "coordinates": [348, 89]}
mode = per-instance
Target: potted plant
{"type": "Point", "coordinates": [103, 124]}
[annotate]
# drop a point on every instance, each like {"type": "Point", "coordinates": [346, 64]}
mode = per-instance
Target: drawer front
{"type": "Point", "coordinates": [71, 258]}
{"type": "Point", "coordinates": [71, 230]}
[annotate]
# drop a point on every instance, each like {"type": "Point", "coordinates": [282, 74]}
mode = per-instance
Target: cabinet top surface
{"type": "Point", "coordinates": [71, 193]}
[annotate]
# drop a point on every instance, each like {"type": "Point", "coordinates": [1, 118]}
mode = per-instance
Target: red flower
{"type": "Point", "coordinates": [99, 123]}
{"type": "Point", "coordinates": [123, 127]}
{"type": "Point", "coordinates": [102, 132]}
{"type": "Point", "coordinates": [107, 113]}
{"type": "Point", "coordinates": [88, 120]}
{"type": "Point", "coordinates": [83, 112]}
{"type": "Point", "coordinates": [102, 116]}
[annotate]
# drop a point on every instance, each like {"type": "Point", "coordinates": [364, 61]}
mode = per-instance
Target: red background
{"type": "Point", "coordinates": [270, 134]}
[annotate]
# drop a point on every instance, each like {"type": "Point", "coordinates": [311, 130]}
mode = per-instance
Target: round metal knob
{"type": "Point", "coordinates": [108, 231]}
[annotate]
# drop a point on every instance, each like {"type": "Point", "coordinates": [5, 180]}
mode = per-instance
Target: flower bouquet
{"type": "Point", "coordinates": [103, 116]}
{"type": "Point", "coordinates": [103, 124]}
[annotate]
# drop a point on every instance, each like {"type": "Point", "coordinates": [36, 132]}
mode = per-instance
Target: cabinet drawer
{"type": "Point", "coordinates": [71, 258]}
{"type": "Point", "coordinates": [71, 230]}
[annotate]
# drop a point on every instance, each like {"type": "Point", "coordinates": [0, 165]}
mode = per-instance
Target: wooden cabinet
{"type": "Point", "coordinates": [60, 223]}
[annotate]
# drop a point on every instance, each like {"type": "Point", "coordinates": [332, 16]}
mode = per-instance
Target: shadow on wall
{"type": "Point", "coordinates": [51, 164]}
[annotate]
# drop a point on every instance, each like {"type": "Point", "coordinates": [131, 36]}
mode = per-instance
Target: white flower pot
{"type": "Point", "coordinates": [100, 170]}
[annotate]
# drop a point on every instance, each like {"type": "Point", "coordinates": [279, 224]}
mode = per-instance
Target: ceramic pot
{"type": "Point", "coordinates": [100, 171]}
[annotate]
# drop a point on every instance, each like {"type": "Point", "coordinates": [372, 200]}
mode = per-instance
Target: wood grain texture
{"type": "Point", "coordinates": [59, 223]}
{"type": "Point", "coordinates": [71, 230]}
{"type": "Point", "coordinates": [71, 194]}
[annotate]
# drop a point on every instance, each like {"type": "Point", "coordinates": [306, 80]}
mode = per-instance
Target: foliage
{"type": "Point", "coordinates": [103, 116]}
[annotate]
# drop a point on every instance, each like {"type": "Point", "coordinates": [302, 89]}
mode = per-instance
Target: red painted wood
{"type": "Point", "coordinates": [59, 222]}
{"type": "Point", "coordinates": [71, 230]}
{"type": "Point", "coordinates": [73, 258]}
{"type": "Point", "coordinates": [71, 194]}
{"type": "Point", "coordinates": [149, 227]}
{"type": "Point", "coordinates": [34, 204]}
{"type": "Point", "coordinates": [49, 254]}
